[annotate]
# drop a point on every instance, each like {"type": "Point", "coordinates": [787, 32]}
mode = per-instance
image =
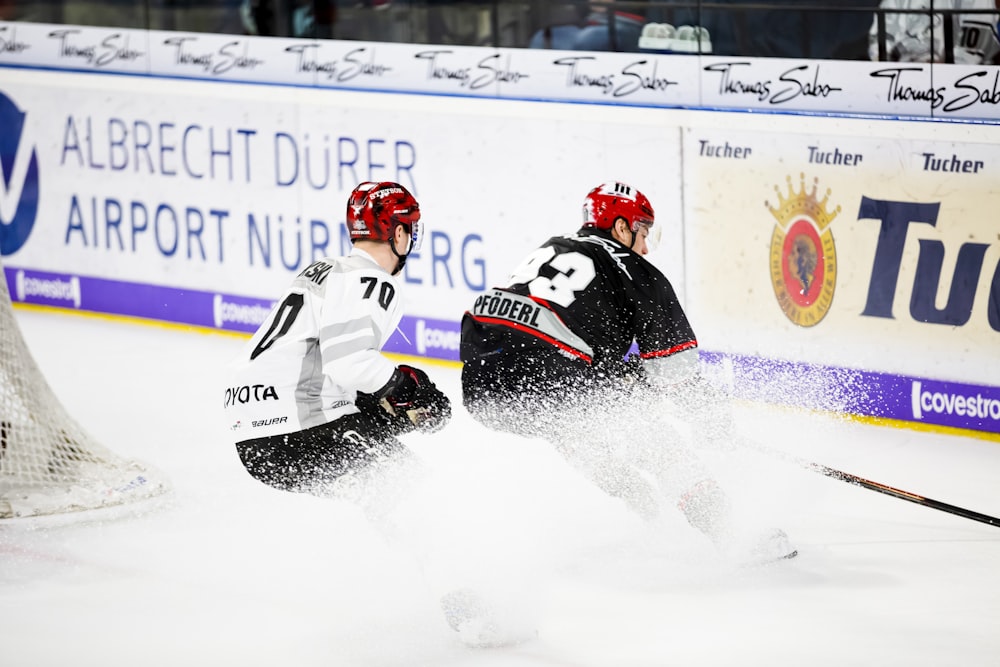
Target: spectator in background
{"type": "Point", "coordinates": [920, 37]}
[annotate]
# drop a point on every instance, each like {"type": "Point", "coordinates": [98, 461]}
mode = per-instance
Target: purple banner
{"type": "Point", "coordinates": [843, 390]}
{"type": "Point", "coordinates": [865, 393]}
{"type": "Point", "coordinates": [155, 302]}
{"type": "Point", "coordinates": [425, 337]}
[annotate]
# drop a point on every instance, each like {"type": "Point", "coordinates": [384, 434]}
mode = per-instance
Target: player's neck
{"type": "Point", "coordinates": [380, 252]}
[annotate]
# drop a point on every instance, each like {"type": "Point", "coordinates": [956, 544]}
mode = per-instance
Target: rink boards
{"type": "Point", "coordinates": [844, 263]}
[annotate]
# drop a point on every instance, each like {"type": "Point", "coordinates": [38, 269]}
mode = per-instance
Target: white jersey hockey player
{"type": "Point", "coordinates": [908, 37]}
{"type": "Point", "coordinates": [311, 397]}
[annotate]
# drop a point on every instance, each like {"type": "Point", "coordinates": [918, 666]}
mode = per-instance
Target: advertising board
{"type": "Point", "coordinates": [825, 257]}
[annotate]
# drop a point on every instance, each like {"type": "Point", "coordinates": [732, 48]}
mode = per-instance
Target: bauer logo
{"type": "Point", "coordinates": [18, 178]}
{"type": "Point", "coordinates": [50, 290]}
{"type": "Point", "coordinates": [803, 256]}
{"type": "Point", "coordinates": [432, 338]}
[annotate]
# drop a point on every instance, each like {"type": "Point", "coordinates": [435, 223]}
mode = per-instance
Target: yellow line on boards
{"type": "Point", "coordinates": [925, 427]}
{"type": "Point", "coordinates": [128, 319]}
{"type": "Point", "coordinates": [889, 423]}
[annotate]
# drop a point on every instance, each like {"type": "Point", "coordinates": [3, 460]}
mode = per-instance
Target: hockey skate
{"type": "Point", "coordinates": [478, 624]}
{"type": "Point", "coordinates": [770, 547]}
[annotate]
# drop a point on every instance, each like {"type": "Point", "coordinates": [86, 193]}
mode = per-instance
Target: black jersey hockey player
{"type": "Point", "coordinates": [311, 397]}
{"type": "Point", "coordinates": [574, 306]}
{"type": "Point", "coordinates": [545, 356]}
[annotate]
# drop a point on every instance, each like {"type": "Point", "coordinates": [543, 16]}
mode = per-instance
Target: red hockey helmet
{"type": "Point", "coordinates": [374, 210]}
{"type": "Point", "coordinates": [610, 201]}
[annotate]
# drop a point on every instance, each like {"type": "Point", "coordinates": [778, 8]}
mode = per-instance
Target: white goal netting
{"type": "Point", "coordinates": [48, 463]}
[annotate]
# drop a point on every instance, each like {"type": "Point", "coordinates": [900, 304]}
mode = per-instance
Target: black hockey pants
{"type": "Point", "coordinates": [309, 461]}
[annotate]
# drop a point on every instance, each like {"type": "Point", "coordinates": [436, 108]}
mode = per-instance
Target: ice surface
{"type": "Point", "coordinates": [229, 572]}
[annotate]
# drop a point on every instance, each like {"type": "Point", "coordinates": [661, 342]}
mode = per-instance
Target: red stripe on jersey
{"type": "Point", "coordinates": [674, 350]}
{"type": "Point", "coordinates": [537, 334]}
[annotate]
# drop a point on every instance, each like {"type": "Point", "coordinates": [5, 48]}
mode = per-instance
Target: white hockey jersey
{"type": "Point", "coordinates": [908, 37]}
{"type": "Point", "coordinates": [320, 345]}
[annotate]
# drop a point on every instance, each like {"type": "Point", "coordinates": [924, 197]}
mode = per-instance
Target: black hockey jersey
{"type": "Point", "coordinates": [590, 298]}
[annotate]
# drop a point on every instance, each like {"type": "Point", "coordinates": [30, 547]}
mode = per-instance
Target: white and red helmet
{"type": "Point", "coordinates": [375, 209]}
{"type": "Point", "coordinates": [610, 201]}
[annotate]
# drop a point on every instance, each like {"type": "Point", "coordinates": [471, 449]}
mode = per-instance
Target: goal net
{"type": "Point", "coordinates": [48, 463]}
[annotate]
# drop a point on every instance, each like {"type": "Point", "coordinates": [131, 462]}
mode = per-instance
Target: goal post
{"type": "Point", "coordinates": [49, 464]}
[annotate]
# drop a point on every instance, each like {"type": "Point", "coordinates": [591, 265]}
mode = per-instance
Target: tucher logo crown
{"type": "Point", "coordinates": [803, 203]}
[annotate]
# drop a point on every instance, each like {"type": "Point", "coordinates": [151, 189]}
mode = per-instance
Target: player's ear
{"type": "Point", "coordinates": [620, 229]}
{"type": "Point", "coordinates": [399, 236]}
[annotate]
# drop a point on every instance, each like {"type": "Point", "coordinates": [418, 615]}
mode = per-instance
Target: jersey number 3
{"type": "Point", "coordinates": [574, 271]}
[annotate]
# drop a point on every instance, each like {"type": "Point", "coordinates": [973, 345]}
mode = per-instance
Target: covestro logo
{"type": "Point", "coordinates": [225, 311]}
{"type": "Point", "coordinates": [56, 289]}
{"type": "Point", "coordinates": [430, 338]}
{"type": "Point", "coordinates": [18, 178]}
{"type": "Point", "coordinates": [976, 406]}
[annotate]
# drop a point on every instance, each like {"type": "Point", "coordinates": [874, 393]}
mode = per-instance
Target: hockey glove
{"type": "Point", "coordinates": [411, 395]}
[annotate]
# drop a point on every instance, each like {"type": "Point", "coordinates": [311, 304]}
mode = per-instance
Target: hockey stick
{"type": "Point", "coordinates": [833, 473]}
